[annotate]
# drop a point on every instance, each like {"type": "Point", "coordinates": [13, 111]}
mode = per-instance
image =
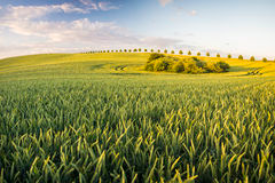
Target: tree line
{"type": "Point", "coordinates": [180, 52]}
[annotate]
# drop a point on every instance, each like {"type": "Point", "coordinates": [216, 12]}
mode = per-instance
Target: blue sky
{"type": "Point", "coordinates": [234, 26]}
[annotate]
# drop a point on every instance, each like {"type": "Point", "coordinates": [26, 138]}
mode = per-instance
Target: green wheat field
{"type": "Point", "coordinates": [101, 118]}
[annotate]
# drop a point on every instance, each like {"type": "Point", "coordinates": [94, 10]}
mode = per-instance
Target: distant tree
{"type": "Point", "coordinates": [120, 50]}
{"type": "Point", "coordinates": [172, 52]}
{"type": "Point", "coordinates": [158, 51]}
{"type": "Point", "coordinates": [139, 49]}
{"type": "Point", "coordinates": [116, 50]}
{"type": "Point", "coordinates": [130, 51]}
{"type": "Point", "coordinates": [229, 56]}
{"type": "Point", "coordinates": [112, 51]}
{"type": "Point", "coordinates": [199, 54]}
{"type": "Point", "coordinates": [240, 57]}
{"type": "Point", "coordinates": [108, 51]}
{"type": "Point", "coordinates": [145, 50]}
{"type": "Point", "coordinates": [125, 50]}
{"type": "Point", "coordinates": [180, 52]}
{"type": "Point", "coordinates": [252, 58]}
{"type": "Point", "coordinates": [189, 53]}
{"type": "Point", "coordinates": [264, 59]}
{"type": "Point", "coordinates": [165, 51]}
{"type": "Point", "coordinates": [218, 55]}
{"type": "Point", "coordinates": [104, 51]}
{"type": "Point", "coordinates": [208, 54]}
{"type": "Point", "coordinates": [152, 50]}
{"type": "Point", "coordinates": [135, 50]}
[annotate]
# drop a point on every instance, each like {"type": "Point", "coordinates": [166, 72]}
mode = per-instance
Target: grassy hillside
{"type": "Point", "coordinates": [86, 65]}
{"type": "Point", "coordinates": [100, 118]}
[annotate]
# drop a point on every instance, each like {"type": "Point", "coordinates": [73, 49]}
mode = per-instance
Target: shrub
{"type": "Point", "coordinates": [152, 50]}
{"type": "Point", "coordinates": [218, 55]}
{"type": "Point", "coordinates": [120, 50]}
{"type": "Point", "coordinates": [155, 56]}
{"type": "Point", "coordinates": [130, 51]}
{"type": "Point", "coordinates": [229, 56]}
{"type": "Point", "coordinates": [189, 53]}
{"type": "Point", "coordinates": [145, 50]}
{"type": "Point", "coordinates": [139, 49]}
{"type": "Point", "coordinates": [252, 58]}
{"type": "Point", "coordinates": [180, 52]}
{"type": "Point", "coordinates": [135, 50]}
{"type": "Point", "coordinates": [178, 67]}
{"type": "Point", "coordinates": [149, 66]}
{"type": "Point", "coordinates": [172, 52]}
{"type": "Point", "coordinates": [199, 54]}
{"type": "Point", "coordinates": [208, 54]}
{"type": "Point", "coordinates": [158, 51]}
{"type": "Point", "coordinates": [264, 59]}
{"type": "Point", "coordinates": [240, 57]}
{"type": "Point", "coordinates": [223, 66]}
{"type": "Point", "coordinates": [125, 50]}
{"type": "Point", "coordinates": [160, 65]}
{"type": "Point", "coordinates": [165, 51]}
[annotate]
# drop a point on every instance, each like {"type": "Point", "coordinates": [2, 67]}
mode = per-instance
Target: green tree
{"type": "Point", "coordinates": [180, 52]}
{"type": "Point", "coordinates": [264, 59]}
{"type": "Point", "coordinates": [145, 50]}
{"type": "Point", "coordinates": [199, 54]}
{"type": "Point", "coordinates": [125, 50]}
{"type": "Point", "coordinates": [120, 50]}
{"type": "Point", "coordinates": [189, 53]}
{"type": "Point", "coordinates": [218, 55]}
{"type": "Point", "coordinates": [158, 51]}
{"type": "Point", "coordinates": [139, 49]}
{"type": "Point", "coordinates": [152, 50]}
{"type": "Point", "coordinates": [165, 51]}
{"type": "Point", "coordinates": [172, 52]}
{"type": "Point", "coordinates": [208, 54]}
{"type": "Point", "coordinates": [240, 57]}
{"type": "Point", "coordinates": [252, 58]}
{"type": "Point", "coordinates": [135, 50]}
{"type": "Point", "coordinates": [229, 56]}
{"type": "Point", "coordinates": [130, 51]}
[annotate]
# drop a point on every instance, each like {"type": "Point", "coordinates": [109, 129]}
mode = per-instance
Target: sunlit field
{"type": "Point", "coordinates": [102, 118]}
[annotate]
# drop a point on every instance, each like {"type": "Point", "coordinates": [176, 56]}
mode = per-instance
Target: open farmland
{"type": "Point", "coordinates": [102, 118]}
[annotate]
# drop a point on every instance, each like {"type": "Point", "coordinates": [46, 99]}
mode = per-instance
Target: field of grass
{"type": "Point", "coordinates": [101, 118]}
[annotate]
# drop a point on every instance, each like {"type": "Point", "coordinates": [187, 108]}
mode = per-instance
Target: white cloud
{"type": "Point", "coordinates": [26, 32]}
{"type": "Point", "coordinates": [106, 6]}
{"type": "Point", "coordinates": [103, 5]}
{"type": "Point", "coordinates": [165, 2]}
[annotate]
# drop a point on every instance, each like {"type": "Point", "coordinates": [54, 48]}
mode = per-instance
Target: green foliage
{"type": "Point", "coordinates": [218, 55]}
{"type": "Point", "coordinates": [135, 50]}
{"type": "Point", "coordinates": [199, 54]}
{"type": "Point", "coordinates": [159, 62]}
{"type": "Point", "coordinates": [159, 51]}
{"type": "Point", "coordinates": [130, 51]}
{"type": "Point", "coordinates": [145, 50]}
{"type": "Point", "coordinates": [189, 53]}
{"type": "Point", "coordinates": [165, 51]}
{"type": "Point", "coordinates": [152, 50]}
{"type": "Point", "coordinates": [139, 49]}
{"type": "Point", "coordinates": [155, 56]}
{"type": "Point", "coordinates": [208, 54]}
{"type": "Point", "coordinates": [240, 57]}
{"type": "Point", "coordinates": [264, 59]}
{"type": "Point", "coordinates": [125, 50]}
{"type": "Point", "coordinates": [229, 56]}
{"type": "Point", "coordinates": [172, 52]}
{"type": "Point", "coordinates": [180, 52]}
{"type": "Point", "coordinates": [252, 58]}
{"type": "Point", "coordinates": [178, 67]}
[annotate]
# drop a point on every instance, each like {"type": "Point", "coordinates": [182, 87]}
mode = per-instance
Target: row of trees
{"type": "Point", "coordinates": [240, 57]}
